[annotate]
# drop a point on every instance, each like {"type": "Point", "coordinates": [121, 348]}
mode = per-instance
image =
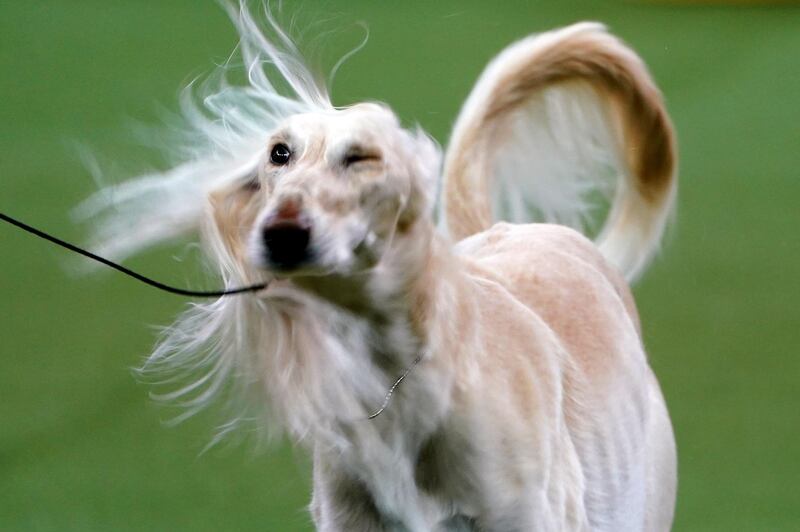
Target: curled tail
{"type": "Point", "coordinates": [555, 121]}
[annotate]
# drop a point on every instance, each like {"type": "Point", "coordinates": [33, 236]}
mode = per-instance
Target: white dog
{"type": "Point", "coordinates": [527, 402]}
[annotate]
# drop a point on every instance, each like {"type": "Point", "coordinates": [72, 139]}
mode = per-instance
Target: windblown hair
{"type": "Point", "coordinates": [225, 128]}
{"type": "Point", "coordinates": [212, 345]}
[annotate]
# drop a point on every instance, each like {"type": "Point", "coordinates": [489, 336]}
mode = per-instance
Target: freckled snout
{"type": "Point", "coordinates": [286, 235]}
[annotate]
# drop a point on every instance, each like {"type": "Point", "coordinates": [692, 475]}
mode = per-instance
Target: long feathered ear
{"type": "Point", "coordinates": [223, 128]}
{"type": "Point", "coordinates": [214, 349]}
{"type": "Point", "coordinates": [554, 121]}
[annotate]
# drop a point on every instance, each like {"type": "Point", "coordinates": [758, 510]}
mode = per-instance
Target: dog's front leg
{"type": "Point", "coordinates": [341, 503]}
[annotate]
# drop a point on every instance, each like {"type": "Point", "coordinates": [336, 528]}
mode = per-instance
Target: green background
{"type": "Point", "coordinates": [83, 448]}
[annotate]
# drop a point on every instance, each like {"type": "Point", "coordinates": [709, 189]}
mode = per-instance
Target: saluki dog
{"type": "Point", "coordinates": [459, 374]}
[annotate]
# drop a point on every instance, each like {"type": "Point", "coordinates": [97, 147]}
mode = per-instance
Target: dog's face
{"type": "Point", "coordinates": [332, 191]}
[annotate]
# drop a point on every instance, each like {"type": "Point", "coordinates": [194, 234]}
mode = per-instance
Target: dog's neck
{"type": "Point", "coordinates": [390, 294]}
{"type": "Point", "coordinates": [355, 335]}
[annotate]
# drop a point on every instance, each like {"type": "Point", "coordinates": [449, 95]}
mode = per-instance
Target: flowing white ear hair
{"type": "Point", "coordinates": [221, 349]}
{"type": "Point", "coordinates": [554, 122]}
{"type": "Point", "coordinates": [224, 127]}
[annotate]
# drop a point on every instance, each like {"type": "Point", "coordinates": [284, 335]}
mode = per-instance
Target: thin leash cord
{"type": "Point", "coordinates": [183, 292]}
{"type": "Point", "coordinates": [126, 271]}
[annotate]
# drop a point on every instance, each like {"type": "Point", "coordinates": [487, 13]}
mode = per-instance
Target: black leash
{"type": "Point", "coordinates": [181, 291]}
{"type": "Point", "coordinates": [131, 273]}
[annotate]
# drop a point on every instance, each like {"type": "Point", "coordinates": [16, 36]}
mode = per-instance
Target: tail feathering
{"type": "Point", "coordinates": [554, 121]}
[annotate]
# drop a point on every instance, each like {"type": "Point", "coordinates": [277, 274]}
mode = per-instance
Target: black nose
{"type": "Point", "coordinates": [287, 243]}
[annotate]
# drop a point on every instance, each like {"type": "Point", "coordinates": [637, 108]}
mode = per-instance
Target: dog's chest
{"type": "Point", "coordinates": [389, 455]}
{"type": "Point", "coordinates": [399, 480]}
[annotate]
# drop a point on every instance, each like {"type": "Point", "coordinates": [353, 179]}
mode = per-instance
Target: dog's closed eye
{"type": "Point", "coordinates": [359, 154]}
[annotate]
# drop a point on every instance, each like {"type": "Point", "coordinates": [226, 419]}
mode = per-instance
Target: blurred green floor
{"type": "Point", "coordinates": [81, 446]}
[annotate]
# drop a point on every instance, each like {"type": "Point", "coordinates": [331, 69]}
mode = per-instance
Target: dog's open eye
{"type": "Point", "coordinates": [280, 154]}
{"type": "Point", "coordinates": [356, 156]}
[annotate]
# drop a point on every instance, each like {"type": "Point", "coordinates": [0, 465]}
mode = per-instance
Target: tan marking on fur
{"type": "Point", "coordinates": [234, 211]}
{"type": "Point", "coordinates": [335, 202]}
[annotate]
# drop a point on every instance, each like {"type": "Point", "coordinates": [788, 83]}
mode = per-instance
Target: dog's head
{"type": "Point", "coordinates": [332, 191]}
